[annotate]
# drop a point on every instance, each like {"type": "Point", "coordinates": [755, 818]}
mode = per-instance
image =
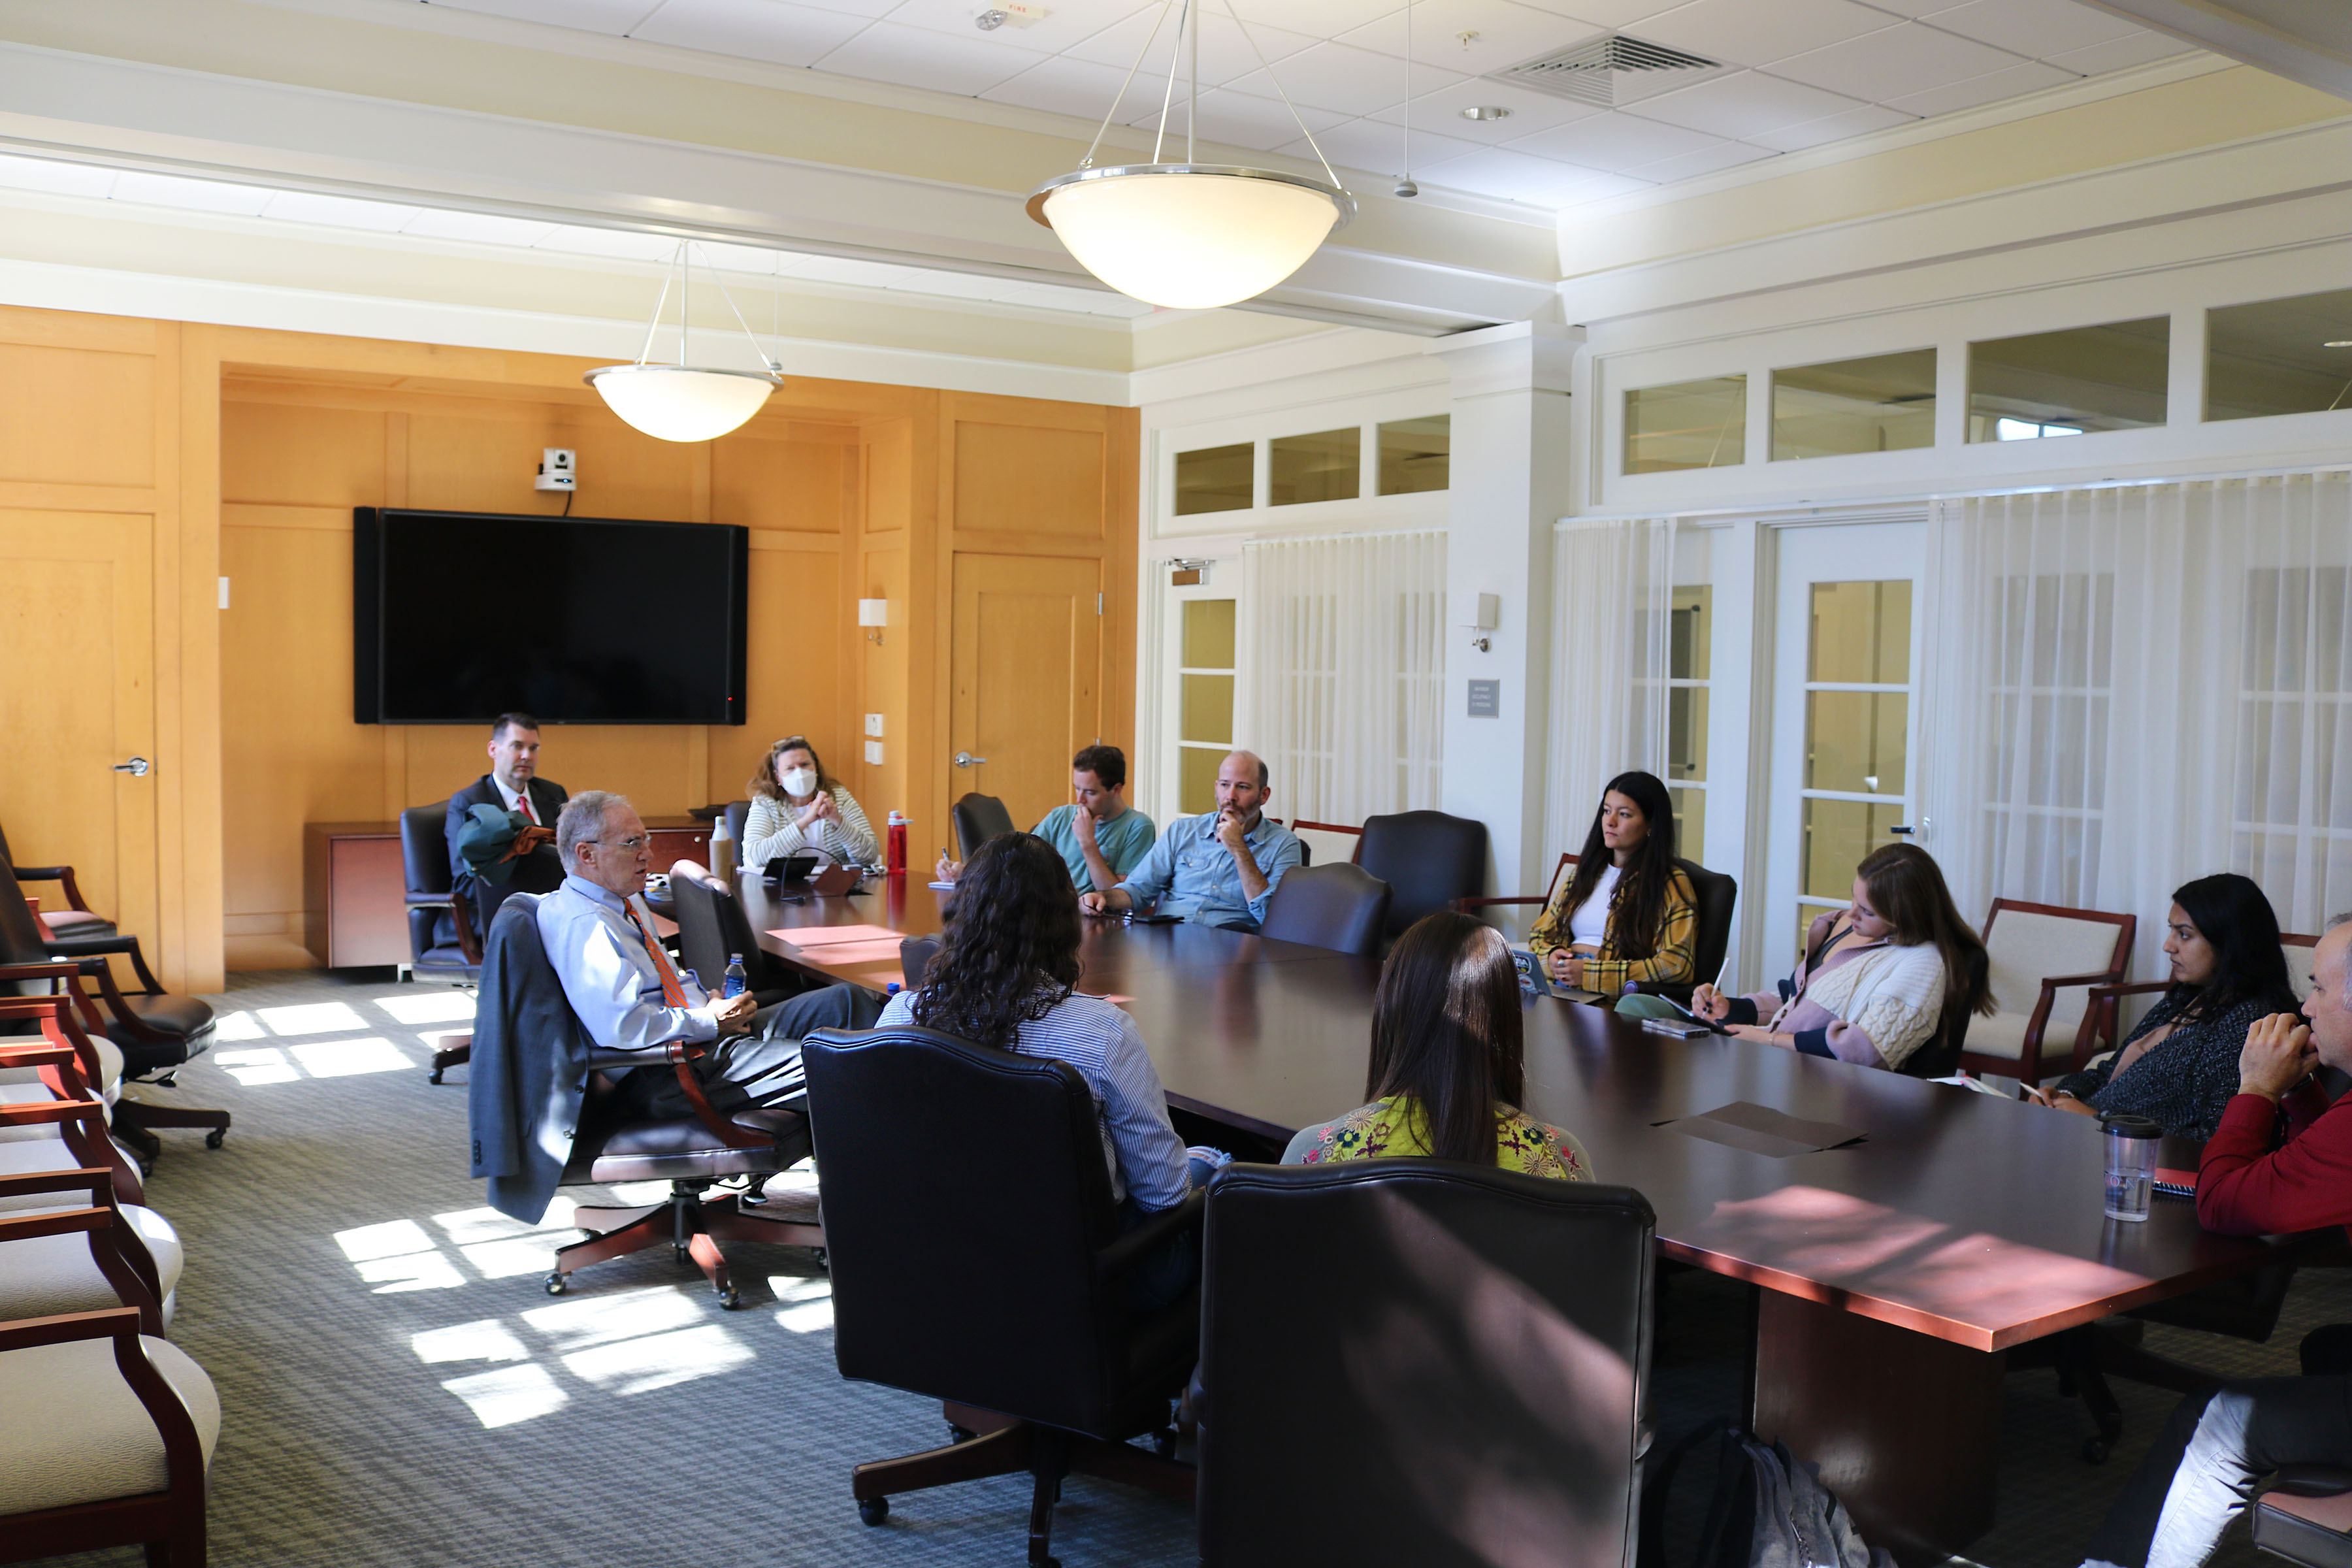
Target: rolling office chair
{"type": "Point", "coordinates": [1470, 1379]}
{"type": "Point", "coordinates": [712, 929]}
{"type": "Point", "coordinates": [155, 1030]}
{"type": "Point", "coordinates": [77, 919]}
{"type": "Point", "coordinates": [999, 1287]}
{"type": "Point", "coordinates": [442, 941]}
{"type": "Point", "coordinates": [738, 813]}
{"type": "Point", "coordinates": [915, 955]}
{"type": "Point", "coordinates": [977, 819]}
{"type": "Point", "coordinates": [1427, 859]}
{"type": "Point", "coordinates": [609, 1143]}
{"type": "Point", "coordinates": [1337, 906]}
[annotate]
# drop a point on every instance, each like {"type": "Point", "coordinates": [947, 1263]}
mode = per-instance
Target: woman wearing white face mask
{"type": "Point", "coordinates": [796, 806]}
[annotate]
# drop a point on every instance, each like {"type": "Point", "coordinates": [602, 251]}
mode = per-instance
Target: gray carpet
{"type": "Point", "coordinates": [397, 1389]}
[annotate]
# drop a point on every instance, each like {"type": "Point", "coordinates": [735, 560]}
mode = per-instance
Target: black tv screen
{"type": "Point", "coordinates": [459, 616]}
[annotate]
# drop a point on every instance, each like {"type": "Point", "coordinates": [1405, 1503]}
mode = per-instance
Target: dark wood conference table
{"type": "Point", "coordinates": [1894, 1271]}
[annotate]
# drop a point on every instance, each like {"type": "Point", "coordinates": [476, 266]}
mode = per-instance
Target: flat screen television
{"type": "Point", "coordinates": [458, 617]}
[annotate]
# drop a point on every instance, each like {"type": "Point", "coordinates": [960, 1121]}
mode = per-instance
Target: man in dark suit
{"type": "Point", "coordinates": [512, 784]}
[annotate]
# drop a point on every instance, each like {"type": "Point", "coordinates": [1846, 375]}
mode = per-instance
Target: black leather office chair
{"type": "Point", "coordinates": [739, 812]}
{"type": "Point", "coordinates": [712, 928]}
{"type": "Point", "coordinates": [1716, 896]}
{"type": "Point", "coordinates": [611, 1144]}
{"type": "Point", "coordinates": [2307, 1515]}
{"type": "Point", "coordinates": [1427, 859]}
{"type": "Point", "coordinates": [155, 1030]}
{"type": "Point", "coordinates": [998, 1285]}
{"type": "Point", "coordinates": [915, 955]}
{"type": "Point", "coordinates": [77, 919]}
{"type": "Point", "coordinates": [442, 941]}
{"type": "Point", "coordinates": [1468, 1379]}
{"type": "Point", "coordinates": [977, 819]}
{"type": "Point", "coordinates": [1339, 905]}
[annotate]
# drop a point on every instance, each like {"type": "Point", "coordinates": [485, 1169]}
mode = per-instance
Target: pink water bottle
{"type": "Point", "coordinates": [894, 856]}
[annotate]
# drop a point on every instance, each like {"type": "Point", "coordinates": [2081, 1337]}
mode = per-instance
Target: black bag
{"type": "Point", "coordinates": [1768, 1510]}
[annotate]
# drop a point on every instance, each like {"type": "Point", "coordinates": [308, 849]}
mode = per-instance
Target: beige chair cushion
{"type": "Point", "coordinates": [1329, 848]}
{"type": "Point", "coordinates": [2024, 948]}
{"type": "Point", "coordinates": [95, 1439]}
{"type": "Point", "coordinates": [29, 1157]}
{"type": "Point", "coordinates": [110, 1064]}
{"type": "Point", "coordinates": [2298, 967]}
{"type": "Point", "coordinates": [42, 1276]}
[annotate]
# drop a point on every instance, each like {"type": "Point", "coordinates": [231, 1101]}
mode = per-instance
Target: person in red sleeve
{"type": "Point", "coordinates": [2281, 1163]}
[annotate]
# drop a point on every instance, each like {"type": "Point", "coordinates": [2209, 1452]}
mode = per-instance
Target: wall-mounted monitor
{"type": "Point", "coordinates": [458, 617]}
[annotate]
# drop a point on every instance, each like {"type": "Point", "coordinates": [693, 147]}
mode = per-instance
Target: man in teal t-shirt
{"type": "Point", "coordinates": [1100, 837]}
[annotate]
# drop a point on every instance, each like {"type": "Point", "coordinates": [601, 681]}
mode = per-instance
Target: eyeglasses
{"type": "Point", "coordinates": [632, 844]}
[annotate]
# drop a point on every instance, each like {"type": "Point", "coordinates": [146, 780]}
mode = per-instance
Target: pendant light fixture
{"type": "Point", "coordinates": [1191, 235]}
{"type": "Point", "coordinates": [681, 402]}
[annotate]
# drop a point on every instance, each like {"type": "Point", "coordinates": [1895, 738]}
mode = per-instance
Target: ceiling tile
{"type": "Point", "coordinates": [1603, 14]}
{"type": "Point", "coordinates": [1912, 7]}
{"type": "Point", "coordinates": [1225, 53]}
{"type": "Point", "coordinates": [1313, 18]}
{"type": "Point", "coordinates": [624, 244]}
{"type": "Point", "coordinates": [913, 56]}
{"type": "Point", "coordinates": [1743, 104]}
{"type": "Point", "coordinates": [1515, 176]}
{"type": "Point", "coordinates": [1904, 59]}
{"type": "Point", "coordinates": [1595, 185]}
{"type": "Point", "coordinates": [1831, 128]}
{"type": "Point", "coordinates": [1081, 87]}
{"type": "Point", "coordinates": [1705, 160]}
{"type": "Point", "coordinates": [1442, 110]}
{"type": "Point", "coordinates": [2038, 28]}
{"type": "Point", "coordinates": [1241, 120]}
{"type": "Point", "coordinates": [1345, 79]}
{"type": "Point", "coordinates": [1615, 142]}
{"type": "Point", "coordinates": [2136, 50]}
{"type": "Point", "coordinates": [1506, 34]}
{"type": "Point", "coordinates": [191, 195]}
{"type": "Point", "coordinates": [484, 228]}
{"type": "Point", "coordinates": [1062, 26]}
{"type": "Point", "coordinates": [751, 29]}
{"type": "Point", "coordinates": [56, 178]}
{"type": "Point", "coordinates": [616, 16]}
{"type": "Point", "coordinates": [2014, 82]}
{"type": "Point", "coordinates": [1376, 147]}
{"type": "Point", "coordinates": [341, 212]}
{"type": "Point", "coordinates": [1758, 32]}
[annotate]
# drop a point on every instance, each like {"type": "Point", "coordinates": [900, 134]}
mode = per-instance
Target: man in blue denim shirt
{"type": "Point", "coordinates": [1214, 870]}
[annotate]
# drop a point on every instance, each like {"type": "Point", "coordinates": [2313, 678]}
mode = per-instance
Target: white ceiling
{"type": "Point", "coordinates": [1812, 71]}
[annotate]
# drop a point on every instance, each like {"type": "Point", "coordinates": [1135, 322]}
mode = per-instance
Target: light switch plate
{"type": "Point", "coordinates": [873, 723]}
{"type": "Point", "coordinates": [874, 751]}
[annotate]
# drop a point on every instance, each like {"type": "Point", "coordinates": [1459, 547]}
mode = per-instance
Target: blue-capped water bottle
{"type": "Point", "coordinates": [736, 979]}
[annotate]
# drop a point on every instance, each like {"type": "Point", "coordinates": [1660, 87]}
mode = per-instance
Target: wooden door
{"type": "Point", "coordinates": [1027, 677]}
{"type": "Point", "coordinates": [76, 627]}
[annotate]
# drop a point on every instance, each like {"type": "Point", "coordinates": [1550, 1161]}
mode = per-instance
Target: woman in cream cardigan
{"type": "Point", "coordinates": [796, 806]}
{"type": "Point", "coordinates": [1877, 978]}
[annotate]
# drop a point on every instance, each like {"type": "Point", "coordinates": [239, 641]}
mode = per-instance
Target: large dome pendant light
{"type": "Point", "coordinates": [1191, 235]}
{"type": "Point", "coordinates": [681, 402]}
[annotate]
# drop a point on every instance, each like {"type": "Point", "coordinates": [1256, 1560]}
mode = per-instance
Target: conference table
{"type": "Point", "coordinates": [1893, 1268]}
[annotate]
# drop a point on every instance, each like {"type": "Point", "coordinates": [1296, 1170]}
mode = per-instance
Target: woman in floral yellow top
{"type": "Point", "coordinates": [1446, 1069]}
{"type": "Point", "coordinates": [1627, 913]}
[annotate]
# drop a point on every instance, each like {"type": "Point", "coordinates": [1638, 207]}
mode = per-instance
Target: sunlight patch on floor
{"type": "Point", "coordinates": [450, 1007]}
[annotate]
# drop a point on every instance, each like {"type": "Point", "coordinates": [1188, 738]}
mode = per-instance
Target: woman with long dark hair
{"type": "Point", "coordinates": [1006, 975]}
{"type": "Point", "coordinates": [2180, 1067]}
{"type": "Point", "coordinates": [1446, 1072]}
{"type": "Point", "coordinates": [1627, 912]}
{"type": "Point", "coordinates": [1879, 978]}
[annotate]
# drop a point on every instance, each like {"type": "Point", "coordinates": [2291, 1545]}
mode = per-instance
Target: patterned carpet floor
{"type": "Point", "coordinates": [397, 1388]}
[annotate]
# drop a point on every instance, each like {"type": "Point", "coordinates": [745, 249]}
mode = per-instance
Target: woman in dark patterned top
{"type": "Point", "coordinates": [2179, 1068]}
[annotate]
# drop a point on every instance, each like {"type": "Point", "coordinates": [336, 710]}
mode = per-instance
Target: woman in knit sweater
{"type": "Point", "coordinates": [2179, 1068]}
{"type": "Point", "coordinates": [1878, 978]}
{"type": "Point", "coordinates": [796, 806]}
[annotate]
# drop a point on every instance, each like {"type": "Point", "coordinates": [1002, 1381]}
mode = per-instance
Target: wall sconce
{"type": "Point", "coordinates": [1478, 612]}
{"type": "Point", "coordinates": [874, 613]}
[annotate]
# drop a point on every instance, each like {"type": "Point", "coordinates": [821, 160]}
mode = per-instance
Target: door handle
{"type": "Point", "coordinates": [966, 760]}
{"type": "Point", "coordinates": [137, 767]}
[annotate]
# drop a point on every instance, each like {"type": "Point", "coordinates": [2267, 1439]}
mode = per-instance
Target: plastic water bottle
{"type": "Point", "coordinates": [736, 979]}
{"type": "Point", "coordinates": [894, 853]}
{"type": "Point", "coordinates": [892, 989]}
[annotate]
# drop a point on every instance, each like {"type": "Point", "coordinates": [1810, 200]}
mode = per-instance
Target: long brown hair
{"type": "Point", "coordinates": [764, 785]}
{"type": "Point", "coordinates": [1010, 951]}
{"type": "Point", "coordinates": [1641, 892]}
{"type": "Point", "coordinates": [1446, 1030]}
{"type": "Point", "coordinates": [1906, 888]}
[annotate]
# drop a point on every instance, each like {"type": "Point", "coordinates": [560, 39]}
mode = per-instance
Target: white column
{"type": "Point", "coordinates": [1509, 483]}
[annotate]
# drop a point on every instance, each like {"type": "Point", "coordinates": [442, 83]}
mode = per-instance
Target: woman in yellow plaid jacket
{"type": "Point", "coordinates": [1627, 913]}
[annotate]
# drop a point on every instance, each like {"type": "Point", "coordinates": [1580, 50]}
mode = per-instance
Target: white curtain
{"type": "Point", "coordinates": [1346, 671]}
{"type": "Point", "coordinates": [1612, 583]}
{"type": "Point", "coordinates": [2127, 688]}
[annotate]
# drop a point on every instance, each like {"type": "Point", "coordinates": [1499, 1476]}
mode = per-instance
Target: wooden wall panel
{"type": "Point", "coordinates": [294, 456]}
{"type": "Point", "coordinates": [486, 458]}
{"type": "Point", "coordinates": [77, 416]}
{"type": "Point", "coordinates": [1014, 478]}
{"type": "Point", "coordinates": [794, 485]}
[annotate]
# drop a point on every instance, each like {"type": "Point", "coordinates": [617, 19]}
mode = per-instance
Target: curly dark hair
{"type": "Point", "coordinates": [1009, 952]}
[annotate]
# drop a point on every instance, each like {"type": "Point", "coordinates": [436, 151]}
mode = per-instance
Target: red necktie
{"type": "Point", "coordinates": [522, 798]}
{"type": "Point", "coordinates": [673, 988]}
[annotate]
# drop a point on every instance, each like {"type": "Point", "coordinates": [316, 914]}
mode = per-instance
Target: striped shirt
{"type": "Point", "coordinates": [1146, 1158]}
{"type": "Point", "coordinates": [769, 831]}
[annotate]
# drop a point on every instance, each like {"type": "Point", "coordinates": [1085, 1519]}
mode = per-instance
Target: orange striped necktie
{"type": "Point", "coordinates": [673, 988]}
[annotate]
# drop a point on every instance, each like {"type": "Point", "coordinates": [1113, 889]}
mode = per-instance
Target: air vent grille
{"type": "Point", "coordinates": [1610, 70]}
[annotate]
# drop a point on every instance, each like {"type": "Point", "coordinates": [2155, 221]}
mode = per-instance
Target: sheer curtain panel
{"type": "Point", "coordinates": [2127, 688]}
{"type": "Point", "coordinates": [1611, 586]}
{"type": "Point", "coordinates": [1345, 672]}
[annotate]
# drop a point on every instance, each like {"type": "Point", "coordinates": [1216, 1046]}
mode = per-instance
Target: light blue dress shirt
{"type": "Point", "coordinates": [1189, 873]}
{"type": "Point", "coordinates": [608, 976]}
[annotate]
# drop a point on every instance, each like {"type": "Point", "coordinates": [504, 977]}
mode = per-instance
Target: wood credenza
{"type": "Point", "coordinates": [355, 890]}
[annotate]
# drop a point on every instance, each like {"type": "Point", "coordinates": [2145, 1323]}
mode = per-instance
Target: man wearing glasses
{"type": "Point", "coordinates": [630, 993]}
